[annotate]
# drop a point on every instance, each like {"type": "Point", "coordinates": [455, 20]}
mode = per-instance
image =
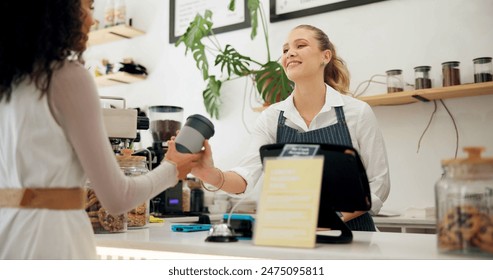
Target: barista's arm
{"type": "Point", "coordinates": [229, 181]}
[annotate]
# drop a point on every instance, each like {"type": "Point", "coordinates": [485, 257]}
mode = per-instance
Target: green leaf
{"type": "Point", "coordinates": [272, 82]}
{"type": "Point", "coordinates": [254, 8]}
{"type": "Point", "coordinates": [234, 62]}
{"type": "Point", "coordinates": [201, 61]}
{"type": "Point", "coordinates": [212, 97]}
{"type": "Point", "coordinates": [232, 5]}
{"type": "Point", "coordinates": [199, 28]}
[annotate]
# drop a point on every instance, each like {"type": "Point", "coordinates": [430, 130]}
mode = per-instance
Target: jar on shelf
{"type": "Point", "coordinates": [464, 204]}
{"type": "Point", "coordinates": [101, 220]}
{"type": "Point", "coordinates": [422, 77]}
{"type": "Point", "coordinates": [395, 82]}
{"type": "Point", "coordinates": [120, 12]}
{"type": "Point", "coordinates": [109, 14]}
{"type": "Point", "coordinates": [135, 166]}
{"type": "Point", "coordinates": [450, 73]}
{"type": "Point", "coordinates": [483, 70]}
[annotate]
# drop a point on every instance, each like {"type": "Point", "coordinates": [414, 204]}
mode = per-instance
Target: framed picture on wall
{"type": "Point", "coordinates": [284, 10]}
{"type": "Point", "coordinates": [182, 12]}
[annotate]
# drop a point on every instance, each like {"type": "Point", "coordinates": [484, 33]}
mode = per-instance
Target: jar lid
{"type": "Point", "coordinates": [482, 60]}
{"type": "Point", "coordinates": [451, 63]}
{"type": "Point", "coordinates": [474, 157]}
{"type": "Point", "coordinates": [422, 68]}
{"type": "Point", "coordinates": [394, 72]}
{"type": "Point", "coordinates": [126, 156]}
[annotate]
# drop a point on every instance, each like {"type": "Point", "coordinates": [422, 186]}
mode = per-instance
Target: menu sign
{"type": "Point", "coordinates": [288, 208]}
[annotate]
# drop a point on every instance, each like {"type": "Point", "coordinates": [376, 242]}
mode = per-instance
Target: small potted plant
{"type": "Point", "coordinates": [268, 76]}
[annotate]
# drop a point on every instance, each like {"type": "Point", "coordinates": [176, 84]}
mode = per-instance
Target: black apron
{"type": "Point", "coordinates": [336, 134]}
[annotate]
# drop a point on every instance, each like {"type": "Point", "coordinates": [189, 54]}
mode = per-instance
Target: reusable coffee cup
{"type": "Point", "coordinates": [191, 138]}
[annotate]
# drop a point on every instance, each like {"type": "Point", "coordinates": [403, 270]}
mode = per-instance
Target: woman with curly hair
{"type": "Point", "coordinates": [52, 136]}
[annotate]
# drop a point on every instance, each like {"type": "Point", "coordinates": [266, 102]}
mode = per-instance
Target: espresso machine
{"type": "Point", "coordinates": [122, 124]}
{"type": "Point", "coordinates": [165, 121]}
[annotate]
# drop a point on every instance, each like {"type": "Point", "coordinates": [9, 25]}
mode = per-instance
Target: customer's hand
{"type": "Point", "coordinates": [184, 162]}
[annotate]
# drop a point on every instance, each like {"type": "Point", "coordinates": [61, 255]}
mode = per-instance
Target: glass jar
{"type": "Point", "coordinates": [483, 70]}
{"type": "Point", "coordinates": [464, 203]}
{"type": "Point", "coordinates": [422, 77]}
{"type": "Point", "coordinates": [101, 220]}
{"type": "Point", "coordinates": [185, 197]}
{"type": "Point", "coordinates": [395, 83]}
{"type": "Point", "coordinates": [196, 195]}
{"type": "Point", "coordinates": [450, 73]}
{"type": "Point", "coordinates": [196, 200]}
{"type": "Point", "coordinates": [135, 166]}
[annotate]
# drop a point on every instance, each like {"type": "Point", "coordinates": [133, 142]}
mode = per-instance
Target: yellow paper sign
{"type": "Point", "coordinates": [288, 208]}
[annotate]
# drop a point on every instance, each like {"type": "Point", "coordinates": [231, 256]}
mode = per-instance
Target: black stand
{"type": "Point", "coordinates": [159, 152]}
{"type": "Point", "coordinates": [334, 222]}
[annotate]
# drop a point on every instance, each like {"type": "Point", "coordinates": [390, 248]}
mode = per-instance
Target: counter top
{"type": "Point", "coordinates": [157, 241]}
{"type": "Point", "coordinates": [404, 220]}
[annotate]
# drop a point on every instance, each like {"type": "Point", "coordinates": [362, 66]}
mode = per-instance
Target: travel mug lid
{"type": "Point", "coordinates": [201, 124]}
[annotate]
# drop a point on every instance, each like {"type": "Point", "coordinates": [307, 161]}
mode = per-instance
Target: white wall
{"type": "Point", "coordinates": [371, 39]}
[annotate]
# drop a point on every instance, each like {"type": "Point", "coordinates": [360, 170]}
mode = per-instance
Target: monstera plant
{"type": "Point", "coordinates": [200, 40]}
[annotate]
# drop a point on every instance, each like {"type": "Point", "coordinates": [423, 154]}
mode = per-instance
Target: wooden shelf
{"type": "Point", "coordinates": [111, 34]}
{"type": "Point", "coordinates": [406, 97]}
{"type": "Point", "coordinates": [118, 79]}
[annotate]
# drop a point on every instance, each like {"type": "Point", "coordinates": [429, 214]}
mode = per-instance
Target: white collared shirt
{"type": "Point", "coordinates": [363, 127]}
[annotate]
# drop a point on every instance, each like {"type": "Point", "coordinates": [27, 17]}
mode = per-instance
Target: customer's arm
{"type": "Point", "coordinates": [75, 105]}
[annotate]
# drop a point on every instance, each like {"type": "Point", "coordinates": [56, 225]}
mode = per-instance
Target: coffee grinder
{"type": "Point", "coordinates": [165, 121]}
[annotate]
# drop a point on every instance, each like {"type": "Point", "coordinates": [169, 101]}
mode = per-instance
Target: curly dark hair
{"type": "Point", "coordinates": [37, 37]}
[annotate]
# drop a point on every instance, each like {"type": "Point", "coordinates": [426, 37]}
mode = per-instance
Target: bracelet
{"type": "Point", "coordinates": [222, 179]}
{"type": "Point", "coordinates": [220, 185]}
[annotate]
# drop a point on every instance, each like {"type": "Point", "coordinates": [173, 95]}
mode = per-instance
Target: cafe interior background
{"type": "Point", "coordinates": [371, 38]}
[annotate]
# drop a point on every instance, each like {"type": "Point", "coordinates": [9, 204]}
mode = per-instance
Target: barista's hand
{"type": "Point", "coordinates": [205, 166]}
{"type": "Point", "coordinates": [183, 162]}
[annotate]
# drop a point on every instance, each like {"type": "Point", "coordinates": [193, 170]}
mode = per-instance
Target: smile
{"type": "Point", "coordinates": [293, 63]}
